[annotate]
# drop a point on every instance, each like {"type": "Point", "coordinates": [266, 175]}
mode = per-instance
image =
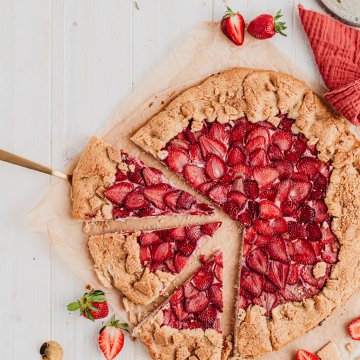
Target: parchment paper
{"type": "Point", "coordinates": [203, 52]}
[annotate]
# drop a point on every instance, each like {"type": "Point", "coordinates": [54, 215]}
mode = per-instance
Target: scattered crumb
{"type": "Point", "coordinates": [319, 270]}
{"type": "Point", "coordinates": [88, 287]}
{"type": "Point", "coordinates": [136, 5]}
{"type": "Point", "coordinates": [349, 347]}
{"type": "Point", "coordinates": [329, 352]}
{"type": "Point", "coordinates": [86, 228]}
{"type": "Point", "coordinates": [162, 102]}
{"type": "Point", "coordinates": [151, 104]}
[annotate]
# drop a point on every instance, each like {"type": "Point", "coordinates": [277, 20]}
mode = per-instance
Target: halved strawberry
{"type": "Point", "coordinates": [354, 329]}
{"type": "Point", "coordinates": [180, 262]}
{"type": "Point", "coordinates": [263, 227]}
{"type": "Point", "coordinates": [190, 290]}
{"type": "Point", "coordinates": [268, 210]}
{"type": "Point", "coordinates": [258, 260]}
{"type": "Point", "coordinates": [233, 26]}
{"type": "Point", "coordinates": [177, 159]}
{"type": "Point", "coordinates": [265, 176]}
{"type": "Point", "coordinates": [194, 175]}
{"type": "Point", "coordinates": [305, 355]}
{"type": "Point", "coordinates": [294, 274]}
{"type": "Point", "coordinates": [211, 146]}
{"type": "Point", "coordinates": [118, 192]}
{"type": "Point", "coordinates": [156, 193]}
{"type": "Point", "coordinates": [283, 188]}
{"type": "Point", "coordinates": [235, 156]}
{"type": "Point", "coordinates": [237, 196]}
{"type": "Point", "coordinates": [215, 167]}
{"type": "Point", "coordinates": [111, 338]}
{"type": "Point", "coordinates": [195, 153]}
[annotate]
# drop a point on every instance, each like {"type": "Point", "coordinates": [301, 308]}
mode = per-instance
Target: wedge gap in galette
{"type": "Point", "coordinates": [143, 264]}
{"type": "Point", "coordinates": [267, 151]}
{"type": "Point", "coordinates": [109, 184]}
{"type": "Point", "coordinates": [188, 324]}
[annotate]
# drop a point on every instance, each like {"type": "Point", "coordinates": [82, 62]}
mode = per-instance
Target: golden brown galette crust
{"type": "Point", "coordinates": [166, 343]}
{"type": "Point", "coordinates": [94, 172]}
{"type": "Point", "coordinates": [261, 95]}
{"type": "Point", "coordinates": [117, 263]}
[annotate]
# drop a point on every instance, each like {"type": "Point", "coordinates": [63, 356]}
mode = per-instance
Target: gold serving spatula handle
{"type": "Point", "coordinates": [20, 161]}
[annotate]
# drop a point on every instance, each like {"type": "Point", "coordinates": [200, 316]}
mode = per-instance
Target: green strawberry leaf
{"type": "Point", "coordinates": [74, 306]}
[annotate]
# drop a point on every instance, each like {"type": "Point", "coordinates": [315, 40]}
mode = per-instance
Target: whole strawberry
{"type": "Point", "coordinates": [92, 305]}
{"type": "Point", "coordinates": [111, 338]}
{"type": "Point", "coordinates": [266, 26]}
{"type": "Point", "coordinates": [233, 26]}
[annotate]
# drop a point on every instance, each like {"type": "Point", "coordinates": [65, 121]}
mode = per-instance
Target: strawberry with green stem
{"type": "Point", "coordinates": [266, 26]}
{"type": "Point", "coordinates": [92, 305]}
{"type": "Point", "coordinates": [233, 26]}
{"type": "Point", "coordinates": [111, 338]}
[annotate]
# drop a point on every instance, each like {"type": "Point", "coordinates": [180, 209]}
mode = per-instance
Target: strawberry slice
{"type": "Point", "coordinates": [258, 260]}
{"type": "Point", "coordinates": [170, 319]}
{"type": "Point", "coordinates": [197, 304]}
{"type": "Point", "coordinates": [233, 26]}
{"type": "Point", "coordinates": [330, 253]}
{"type": "Point", "coordinates": [186, 248]}
{"type": "Point", "coordinates": [296, 230]}
{"type": "Point", "coordinates": [180, 262]}
{"type": "Point", "coordinates": [136, 200]}
{"type": "Point", "coordinates": [237, 133]}
{"type": "Point", "coordinates": [208, 316]}
{"type": "Point", "coordinates": [299, 191]}
{"type": "Point", "coordinates": [265, 176]}
{"type": "Point", "coordinates": [309, 166]}
{"type": "Point", "coordinates": [303, 252]}
{"type": "Point", "coordinates": [288, 208]}
{"type": "Point", "coordinates": [190, 290]}
{"type": "Point", "coordinates": [218, 193]}
{"type": "Point", "coordinates": [279, 225]}
{"type": "Point", "coordinates": [215, 295]}
{"type": "Point", "coordinates": [171, 199]}
{"type": "Point", "coordinates": [237, 196]}
{"type": "Point", "coordinates": [284, 167]}
{"type": "Point", "coordinates": [179, 311]}
{"type": "Point", "coordinates": [263, 227]}
{"type": "Point", "coordinates": [118, 192]}
{"type": "Point", "coordinates": [251, 189]}
{"type": "Point", "coordinates": [233, 209]}
{"type": "Point", "coordinates": [156, 193]}
{"type": "Point", "coordinates": [277, 249]}
{"type": "Point", "coordinates": [177, 296]}
{"type": "Point", "coordinates": [274, 152]}
{"type": "Point", "coordinates": [209, 229]}
{"type": "Point", "coordinates": [294, 274]}
{"type": "Point", "coordinates": [235, 156]}
{"type": "Point", "coordinates": [195, 153]}
{"type": "Point", "coordinates": [161, 252]}
{"type": "Point", "coordinates": [251, 282]}
{"type": "Point", "coordinates": [283, 189]}
{"type": "Point", "coordinates": [305, 355]}
{"type": "Point", "coordinates": [178, 233]}
{"type": "Point", "coordinates": [240, 170]}
{"type": "Point", "coordinates": [257, 143]}
{"type": "Point", "coordinates": [218, 132]}
{"type": "Point", "coordinates": [268, 210]}
{"type": "Point", "coordinates": [258, 131]}
{"type": "Point", "coordinates": [307, 214]}
{"type": "Point", "coordinates": [215, 167]}
{"type": "Point", "coordinates": [152, 176]}
{"type": "Point", "coordinates": [193, 232]}
{"type": "Point", "coordinates": [177, 159]}
{"type": "Point", "coordinates": [202, 280]}
{"type": "Point", "coordinates": [283, 139]}
{"type": "Point", "coordinates": [211, 146]}
{"type": "Point", "coordinates": [259, 158]}
{"type": "Point", "coordinates": [145, 255]}
{"type": "Point", "coordinates": [149, 238]}
{"type": "Point", "coordinates": [321, 213]}
{"type": "Point", "coordinates": [313, 232]}
{"type": "Point", "coordinates": [185, 201]}
{"type": "Point", "coordinates": [267, 300]}
{"type": "Point", "coordinates": [278, 273]}
{"type": "Point", "coordinates": [354, 329]}
{"type": "Point", "coordinates": [194, 175]}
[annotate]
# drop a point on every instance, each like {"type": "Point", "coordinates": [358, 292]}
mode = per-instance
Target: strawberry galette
{"type": "Point", "coordinates": [266, 150]}
{"type": "Point", "coordinates": [188, 324]}
{"type": "Point", "coordinates": [142, 264]}
{"type": "Point", "coordinates": [110, 184]}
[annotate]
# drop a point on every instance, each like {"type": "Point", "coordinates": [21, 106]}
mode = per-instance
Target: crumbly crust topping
{"type": "Point", "coordinates": [166, 343]}
{"type": "Point", "coordinates": [261, 95]}
{"type": "Point", "coordinates": [117, 263]}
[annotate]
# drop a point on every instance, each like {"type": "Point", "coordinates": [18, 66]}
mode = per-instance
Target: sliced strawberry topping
{"type": "Point", "coordinates": [208, 316]}
{"type": "Point", "coordinates": [267, 300]}
{"type": "Point", "coordinates": [156, 193]}
{"type": "Point", "coordinates": [257, 143]}
{"type": "Point", "coordinates": [161, 252]}
{"type": "Point", "coordinates": [251, 282]}
{"type": "Point", "coordinates": [136, 200]}
{"type": "Point", "coordinates": [180, 262]}
{"type": "Point", "coordinates": [219, 132]}
{"type": "Point", "coordinates": [302, 252]}
{"type": "Point", "coordinates": [197, 304]}
{"type": "Point", "coordinates": [309, 166]}
{"type": "Point", "coordinates": [268, 210]}
{"type": "Point", "coordinates": [284, 167]}
{"type": "Point", "coordinates": [236, 156]}
{"type": "Point", "coordinates": [149, 238]}
{"type": "Point", "coordinates": [211, 146]}
{"type": "Point", "coordinates": [177, 159]}
{"type": "Point", "coordinates": [152, 176]}
{"type": "Point", "coordinates": [277, 249]}
{"type": "Point", "coordinates": [194, 175]}
{"type": "Point", "coordinates": [265, 176]}
{"type": "Point", "coordinates": [283, 139]}
{"type": "Point", "coordinates": [278, 273]}
{"type": "Point", "coordinates": [171, 199]}
{"type": "Point", "coordinates": [209, 229]}
{"type": "Point", "coordinates": [299, 191]}
{"type": "Point", "coordinates": [185, 201]}
{"type": "Point", "coordinates": [177, 296]}
{"type": "Point", "coordinates": [218, 193]}
{"type": "Point", "coordinates": [214, 167]}
{"type": "Point", "coordinates": [118, 192]}
{"type": "Point", "coordinates": [258, 260]}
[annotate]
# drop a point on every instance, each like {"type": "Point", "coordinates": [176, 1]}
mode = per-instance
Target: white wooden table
{"type": "Point", "coordinates": [64, 66]}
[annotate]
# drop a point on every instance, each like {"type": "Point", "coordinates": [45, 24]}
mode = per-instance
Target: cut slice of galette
{"type": "Point", "coordinates": [188, 324]}
{"type": "Point", "coordinates": [142, 264]}
{"type": "Point", "coordinates": [266, 150]}
{"type": "Point", "coordinates": [109, 184]}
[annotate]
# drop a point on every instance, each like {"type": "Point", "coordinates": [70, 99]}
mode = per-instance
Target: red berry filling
{"type": "Point", "coordinates": [198, 303]}
{"type": "Point", "coordinates": [271, 181]}
{"type": "Point", "coordinates": [169, 250]}
{"type": "Point", "coordinates": [144, 191]}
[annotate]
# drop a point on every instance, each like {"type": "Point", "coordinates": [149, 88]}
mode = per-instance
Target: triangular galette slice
{"type": "Point", "coordinates": [110, 184]}
{"type": "Point", "coordinates": [142, 264]}
{"type": "Point", "coordinates": [188, 324]}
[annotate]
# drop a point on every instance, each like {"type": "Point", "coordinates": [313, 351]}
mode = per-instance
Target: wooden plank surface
{"type": "Point", "coordinates": [64, 67]}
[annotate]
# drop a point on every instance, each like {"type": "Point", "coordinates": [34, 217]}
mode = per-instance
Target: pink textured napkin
{"type": "Point", "coordinates": [336, 47]}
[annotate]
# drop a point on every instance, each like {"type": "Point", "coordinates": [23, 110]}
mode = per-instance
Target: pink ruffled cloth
{"type": "Point", "coordinates": [336, 47]}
